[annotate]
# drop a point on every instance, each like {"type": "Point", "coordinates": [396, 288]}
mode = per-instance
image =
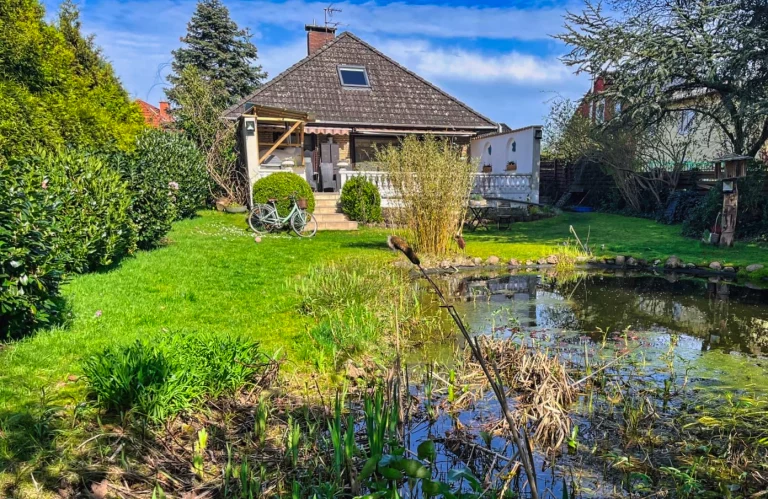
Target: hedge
{"type": "Point", "coordinates": [279, 186]}
{"type": "Point", "coordinates": [31, 265]}
{"type": "Point", "coordinates": [361, 201]}
{"type": "Point", "coordinates": [94, 224]}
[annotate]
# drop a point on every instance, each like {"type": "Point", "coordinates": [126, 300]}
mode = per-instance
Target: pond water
{"type": "Point", "coordinates": [681, 341]}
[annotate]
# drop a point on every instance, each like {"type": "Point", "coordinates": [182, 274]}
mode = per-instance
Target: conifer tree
{"type": "Point", "coordinates": [220, 51]}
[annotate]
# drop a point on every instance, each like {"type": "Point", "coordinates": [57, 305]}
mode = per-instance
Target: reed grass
{"type": "Point", "coordinates": [434, 183]}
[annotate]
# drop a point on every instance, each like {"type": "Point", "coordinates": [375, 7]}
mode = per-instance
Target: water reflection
{"type": "Point", "coordinates": [716, 314]}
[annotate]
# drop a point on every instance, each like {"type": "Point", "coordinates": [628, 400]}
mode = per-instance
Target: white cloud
{"type": "Point", "coordinates": [440, 63]}
{"type": "Point", "coordinates": [421, 20]}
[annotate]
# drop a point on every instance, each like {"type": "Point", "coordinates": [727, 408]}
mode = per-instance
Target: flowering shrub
{"type": "Point", "coordinates": [178, 160]}
{"type": "Point", "coordinates": [31, 267]}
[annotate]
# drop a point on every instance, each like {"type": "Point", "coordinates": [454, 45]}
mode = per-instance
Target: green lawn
{"type": "Point", "coordinates": [610, 235]}
{"type": "Point", "coordinates": [212, 276]}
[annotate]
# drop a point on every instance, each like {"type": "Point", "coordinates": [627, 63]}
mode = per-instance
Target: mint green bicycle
{"type": "Point", "coordinates": [264, 217]}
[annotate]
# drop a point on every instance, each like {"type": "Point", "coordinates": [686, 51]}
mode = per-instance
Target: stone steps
{"type": "Point", "coordinates": [326, 204]}
{"type": "Point", "coordinates": [328, 215]}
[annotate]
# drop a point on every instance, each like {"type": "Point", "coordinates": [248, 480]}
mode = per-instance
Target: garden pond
{"type": "Point", "coordinates": [674, 397]}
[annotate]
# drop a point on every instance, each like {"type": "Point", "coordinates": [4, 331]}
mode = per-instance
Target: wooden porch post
{"type": "Point", "coordinates": [279, 141]}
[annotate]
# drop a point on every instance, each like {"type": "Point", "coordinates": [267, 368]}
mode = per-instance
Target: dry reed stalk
{"type": "Point", "coordinates": [545, 389]}
{"type": "Point", "coordinates": [433, 182]}
{"type": "Point", "coordinates": [518, 433]}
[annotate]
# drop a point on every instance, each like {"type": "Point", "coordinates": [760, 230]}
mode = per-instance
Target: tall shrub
{"type": "Point", "coordinates": [360, 200]}
{"type": "Point", "coordinates": [178, 160]}
{"type": "Point", "coordinates": [93, 221]}
{"type": "Point", "coordinates": [433, 182]}
{"type": "Point", "coordinates": [153, 207]}
{"type": "Point", "coordinates": [31, 267]}
{"type": "Point", "coordinates": [56, 87]}
{"type": "Point", "coordinates": [280, 186]}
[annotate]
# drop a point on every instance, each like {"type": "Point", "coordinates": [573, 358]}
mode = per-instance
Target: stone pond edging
{"type": "Point", "coordinates": [672, 264]}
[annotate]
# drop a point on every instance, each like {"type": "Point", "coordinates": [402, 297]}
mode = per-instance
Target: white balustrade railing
{"type": "Point", "coordinates": [488, 185]}
{"type": "Point", "coordinates": [504, 185]}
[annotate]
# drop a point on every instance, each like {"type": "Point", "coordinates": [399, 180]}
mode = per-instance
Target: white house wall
{"type": "Point", "coordinates": [526, 154]}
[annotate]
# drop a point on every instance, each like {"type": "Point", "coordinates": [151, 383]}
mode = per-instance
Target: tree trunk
{"type": "Point", "coordinates": [730, 208]}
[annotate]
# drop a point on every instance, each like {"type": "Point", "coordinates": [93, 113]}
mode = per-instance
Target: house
{"type": "Point", "coordinates": [705, 141]}
{"type": "Point", "coordinates": [325, 116]}
{"type": "Point", "coordinates": [156, 117]}
{"type": "Point", "coordinates": [515, 154]}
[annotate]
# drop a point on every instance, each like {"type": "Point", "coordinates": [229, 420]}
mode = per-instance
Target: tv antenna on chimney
{"type": "Point", "coordinates": [328, 13]}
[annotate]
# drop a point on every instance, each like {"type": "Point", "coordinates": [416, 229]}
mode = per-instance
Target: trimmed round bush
{"type": "Point", "coordinates": [31, 267]}
{"type": "Point", "coordinates": [361, 201]}
{"type": "Point", "coordinates": [93, 223]}
{"type": "Point", "coordinates": [180, 162]}
{"type": "Point", "coordinates": [279, 186]}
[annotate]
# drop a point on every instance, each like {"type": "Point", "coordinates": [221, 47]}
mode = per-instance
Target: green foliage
{"type": "Point", "coordinates": [361, 201]}
{"type": "Point", "coordinates": [56, 88]}
{"type": "Point", "coordinates": [161, 377]}
{"type": "Point", "coordinates": [180, 163]}
{"type": "Point", "coordinates": [31, 267]}
{"type": "Point", "coordinates": [434, 182]}
{"type": "Point", "coordinates": [662, 51]}
{"type": "Point", "coordinates": [93, 222]}
{"type": "Point", "coordinates": [153, 207]}
{"type": "Point", "coordinates": [279, 186]}
{"type": "Point", "coordinates": [220, 51]}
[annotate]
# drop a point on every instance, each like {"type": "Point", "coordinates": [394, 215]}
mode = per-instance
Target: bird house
{"type": "Point", "coordinates": [731, 166]}
{"type": "Point", "coordinates": [728, 169]}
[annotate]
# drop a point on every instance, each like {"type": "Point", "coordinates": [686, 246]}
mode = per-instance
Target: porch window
{"type": "Point", "coordinates": [353, 76]}
{"type": "Point", "coordinates": [365, 147]}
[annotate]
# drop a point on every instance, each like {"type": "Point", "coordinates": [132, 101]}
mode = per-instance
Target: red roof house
{"type": "Point", "coordinates": [156, 117]}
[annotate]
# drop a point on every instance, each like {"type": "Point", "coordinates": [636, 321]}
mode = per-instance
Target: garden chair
{"type": "Point", "coordinates": [309, 173]}
{"type": "Point", "coordinates": [327, 177]}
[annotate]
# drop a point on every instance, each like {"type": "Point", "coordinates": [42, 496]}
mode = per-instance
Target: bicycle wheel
{"type": "Point", "coordinates": [259, 218]}
{"type": "Point", "coordinates": [304, 224]}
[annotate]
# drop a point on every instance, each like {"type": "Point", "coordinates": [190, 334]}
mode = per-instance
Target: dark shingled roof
{"type": "Point", "coordinates": [396, 97]}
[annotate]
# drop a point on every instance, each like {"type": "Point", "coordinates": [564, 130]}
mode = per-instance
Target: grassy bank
{"type": "Point", "coordinates": [609, 235]}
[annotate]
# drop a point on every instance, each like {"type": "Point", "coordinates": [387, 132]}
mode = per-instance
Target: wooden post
{"type": "Point", "coordinates": [279, 141]}
{"type": "Point", "coordinates": [730, 209]}
{"type": "Point", "coordinates": [301, 144]}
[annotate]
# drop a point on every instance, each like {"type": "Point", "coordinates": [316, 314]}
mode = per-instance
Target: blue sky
{"type": "Point", "coordinates": [498, 58]}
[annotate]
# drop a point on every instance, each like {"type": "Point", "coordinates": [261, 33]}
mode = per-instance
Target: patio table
{"type": "Point", "coordinates": [478, 216]}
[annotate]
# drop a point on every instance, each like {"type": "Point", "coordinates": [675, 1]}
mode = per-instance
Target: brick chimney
{"type": "Point", "coordinates": [317, 36]}
{"type": "Point", "coordinates": [165, 109]}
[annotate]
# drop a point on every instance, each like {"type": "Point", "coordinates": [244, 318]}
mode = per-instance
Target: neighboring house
{"type": "Point", "coordinates": [156, 117]}
{"type": "Point", "coordinates": [705, 140]}
{"type": "Point", "coordinates": [511, 152]}
{"type": "Point", "coordinates": [325, 116]}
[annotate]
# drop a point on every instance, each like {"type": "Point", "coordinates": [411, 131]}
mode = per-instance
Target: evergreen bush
{"type": "Point", "coordinates": [31, 266]}
{"type": "Point", "coordinates": [93, 222]}
{"type": "Point", "coordinates": [280, 186]}
{"type": "Point", "coordinates": [361, 201]}
{"type": "Point", "coordinates": [178, 159]}
{"type": "Point", "coordinates": [153, 207]}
